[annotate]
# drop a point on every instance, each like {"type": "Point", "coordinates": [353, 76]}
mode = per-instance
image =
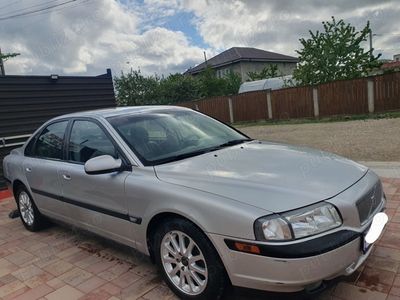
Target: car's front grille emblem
{"type": "Point", "coordinates": [367, 205]}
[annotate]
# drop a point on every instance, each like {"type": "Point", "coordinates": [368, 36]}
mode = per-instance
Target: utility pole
{"type": "Point", "coordinates": [370, 44]}
{"type": "Point", "coordinates": [205, 57]}
{"type": "Point", "coordinates": [2, 71]}
{"type": "Point", "coordinates": [371, 35]}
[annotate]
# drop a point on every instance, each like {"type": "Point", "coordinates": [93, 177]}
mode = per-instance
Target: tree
{"type": "Point", "coordinates": [334, 54]}
{"type": "Point", "coordinates": [7, 56]}
{"type": "Point", "coordinates": [135, 89]}
{"type": "Point", "coordinates": [3, 58]}
{"type": "Point", "coordinates": [233, 82]}
{"type": "Point", "coordinates": [210, 84]}
{"type": "Point", "coordinates": [178, 88]}
{"type": "Point", "coordinates": [269, 71]}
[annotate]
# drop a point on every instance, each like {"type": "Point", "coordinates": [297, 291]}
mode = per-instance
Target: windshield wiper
{"type": "Point", "coordinates": [233, 143]}
{"type": "Point", "coordinates": [181, 156]}
{"type": "Point", "coordinates": [199, 152]}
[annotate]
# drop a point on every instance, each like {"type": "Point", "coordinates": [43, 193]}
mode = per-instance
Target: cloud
{"type": "Point", "coordinates": [88, 36]}
{"type": "Point", "coordinates": [285, 24]}
{"type": "Point", "coordinates": [277, 25]}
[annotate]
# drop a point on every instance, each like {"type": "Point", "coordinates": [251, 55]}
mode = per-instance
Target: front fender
{"type": "Point", "coordinates": [149, 197]}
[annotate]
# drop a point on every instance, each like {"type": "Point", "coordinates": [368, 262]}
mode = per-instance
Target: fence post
{"type": "Point", "coordinates": [230, 104]}
{"type": "Point", "coordinates": [316, 102]}
{"type": "Point", "coordinates": [269, 104]}
{"type": "Point", "coordinates": [196, 107]}
{"type": "Point", "coordinates": [371, 96]}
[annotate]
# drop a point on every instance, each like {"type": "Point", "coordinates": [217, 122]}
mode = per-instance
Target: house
{"type": "Point", "coordinates": [242, 60]}
{"type": "Point", "coordinates": [392, 65]}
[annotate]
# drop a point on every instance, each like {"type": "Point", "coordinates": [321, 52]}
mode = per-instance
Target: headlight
{"type": "Point", "coordinates": [299, 223]}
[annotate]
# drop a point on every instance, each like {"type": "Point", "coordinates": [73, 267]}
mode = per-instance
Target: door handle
{"type": "Point", "coordinates": [67, 177]}
{"type": "Point", "coordinates": [28, 169]}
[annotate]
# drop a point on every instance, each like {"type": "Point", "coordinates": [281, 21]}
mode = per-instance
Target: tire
{"type": "Point", "coordinates": [28, 212]}
{"type": "Point", "coordinates": [194, 272]}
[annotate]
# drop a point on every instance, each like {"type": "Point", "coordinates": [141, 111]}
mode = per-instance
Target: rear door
{"type": "Point", "coordinates": [95, 202]}
{"type": "Point", "coordinates": [43, 157]}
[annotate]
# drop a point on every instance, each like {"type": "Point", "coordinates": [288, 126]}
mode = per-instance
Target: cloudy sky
{"type": "Point", "coordinates": [84, 37]}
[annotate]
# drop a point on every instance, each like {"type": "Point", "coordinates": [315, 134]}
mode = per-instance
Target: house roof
{"type": "Point", "coordinates": [391, 65]}
{"type": "Point", "coordinates": [237, 54]}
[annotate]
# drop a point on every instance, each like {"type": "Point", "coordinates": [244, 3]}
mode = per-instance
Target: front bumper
{"type": "Point", "coordinates": [288, 274]}
{"type": "Point", "coordinates": [302, 264]}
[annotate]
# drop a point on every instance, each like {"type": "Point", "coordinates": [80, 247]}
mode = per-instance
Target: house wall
{"type": "Point", "coordinates": [243, 68]}
{"type": "Point", "coordinates": [222, 71]}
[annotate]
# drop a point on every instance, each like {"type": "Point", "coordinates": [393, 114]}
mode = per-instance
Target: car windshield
{"type": "Point", "coordinates": [169, 135]}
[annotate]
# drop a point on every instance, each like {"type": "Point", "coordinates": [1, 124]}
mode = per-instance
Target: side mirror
{"type": "Point", "coordinates": [102, 164]}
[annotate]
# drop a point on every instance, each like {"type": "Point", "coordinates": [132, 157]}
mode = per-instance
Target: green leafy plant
{"type": "Point", "coordinates": [133, 88]}
{"type": "Point", "coordinates": [233, 82]}
{"type": "Point", "coordinates": [335, 53]}
{"type": "Point", "coordinates": [178, 88]}
{"type": "Point", "coordinates": [269, 71]}
{"type": "Point", "coordinates": [7, 56]}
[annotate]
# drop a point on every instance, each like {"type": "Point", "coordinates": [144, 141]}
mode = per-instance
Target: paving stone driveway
{"type": "Point", "coordinates": [60, 263]}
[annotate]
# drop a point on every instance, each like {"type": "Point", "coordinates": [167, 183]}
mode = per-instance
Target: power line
{"type": "Point", "coordinates": [60, 9]}
{"type": "Point", "coordinates": [29, 7]}
{"type": "Point", "coordinates": [10, 4]}
{"type": "Point", "coordinates": [36, 11]}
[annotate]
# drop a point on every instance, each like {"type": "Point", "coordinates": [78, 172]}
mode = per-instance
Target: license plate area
{"type": "Point", "coordinates": [374, 231]}
{"type": "Point", "coordinates": [365, 246]}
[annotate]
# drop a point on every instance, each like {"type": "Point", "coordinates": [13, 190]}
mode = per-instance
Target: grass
{"type": "Point", "coordinates": [341, 118]}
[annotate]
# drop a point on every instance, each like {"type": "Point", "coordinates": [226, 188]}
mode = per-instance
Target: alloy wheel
{"type": "Point", "coordinates": [26, 208]}
{"type": "Point", "coordinates": [184, 263]}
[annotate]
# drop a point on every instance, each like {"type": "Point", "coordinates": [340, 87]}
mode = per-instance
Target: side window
{"type": "Point", "coordinates": [88, 140]}
{"type": "Point", "coordinates": [50, 142]}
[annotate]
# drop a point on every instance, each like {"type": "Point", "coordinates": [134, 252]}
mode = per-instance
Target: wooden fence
{"type": "Point", "coordinates": [387, 92]}
{"type": "Point", "coordinates": [345, 97]}
{"type": "Point", "coordinates": [292, 103]}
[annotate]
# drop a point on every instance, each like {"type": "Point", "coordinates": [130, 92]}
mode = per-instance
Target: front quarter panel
{"type": "Point", "coordinates": [148, 197]}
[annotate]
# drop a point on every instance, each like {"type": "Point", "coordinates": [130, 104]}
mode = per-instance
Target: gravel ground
{"type": "Point", "coordinates": [368, 140]}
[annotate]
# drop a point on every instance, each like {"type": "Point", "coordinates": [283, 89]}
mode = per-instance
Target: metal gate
{"type": "Point", "coordinates": [26, 102]}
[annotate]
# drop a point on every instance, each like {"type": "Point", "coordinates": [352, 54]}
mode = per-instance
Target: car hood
{"type": "Point", "coordinates": [274, 177]}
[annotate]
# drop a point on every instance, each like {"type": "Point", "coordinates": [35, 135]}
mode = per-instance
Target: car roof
{"type": "Point", "coordinates": [115, 111]}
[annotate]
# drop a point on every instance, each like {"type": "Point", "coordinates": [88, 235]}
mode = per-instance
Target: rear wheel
{"type": "Point", "coordinates": [188, 261]}
{"type": "Point", "coordinates": [30, 215]}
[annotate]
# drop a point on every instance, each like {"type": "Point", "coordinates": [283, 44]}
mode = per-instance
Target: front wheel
{"type": "Point", "coordinates": [188, 261]}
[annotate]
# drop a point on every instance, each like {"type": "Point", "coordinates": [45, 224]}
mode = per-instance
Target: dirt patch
{"type": "Point", "coordinates": [369, 140]}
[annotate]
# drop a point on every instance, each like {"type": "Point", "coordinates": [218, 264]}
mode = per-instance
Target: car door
{"type": "Point", "coordinates": [43, 156]}
{"type": "Point", "coordinates": [95, 202]}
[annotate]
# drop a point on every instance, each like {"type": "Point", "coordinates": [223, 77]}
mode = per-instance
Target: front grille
{"type": "Point", "coordinates": [369, 203]}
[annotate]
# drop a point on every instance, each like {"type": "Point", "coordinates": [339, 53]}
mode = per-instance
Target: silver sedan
{"type": "Point", "coordinates": [208, 204]}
